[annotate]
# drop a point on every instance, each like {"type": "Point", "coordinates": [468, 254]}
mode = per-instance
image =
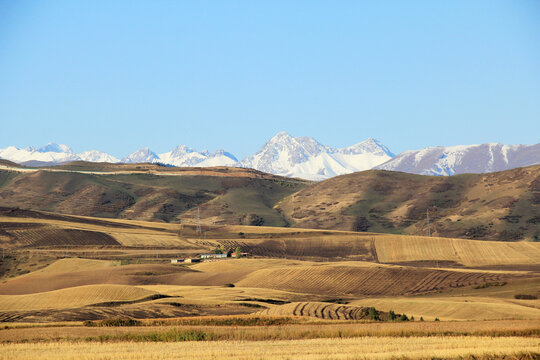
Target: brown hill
{"type": "Point", "coordinates": [150, 192]}
{"type": "Point", "coordinates": [495, 206]}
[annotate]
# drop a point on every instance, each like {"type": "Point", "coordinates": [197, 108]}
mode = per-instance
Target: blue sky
{"type": "Point", "coordinates": [119, 75]}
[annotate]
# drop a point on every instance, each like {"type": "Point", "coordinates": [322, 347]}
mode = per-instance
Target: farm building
{"type": "Point", "coordinates": [242, 254]}
{"type": "Point", "coordinates": [192, 260]}
{"type": "Point", "coordinates": [213, 256]}
{"type": "Point", "coordinates": [176, 261]}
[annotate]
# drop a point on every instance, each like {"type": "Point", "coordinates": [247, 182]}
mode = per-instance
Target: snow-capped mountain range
{"type": "Point", "coordinates": [304, 157]}
{"type": "Point", "coordinates": [462, 159]}
{"type": "Point", "coordinates": [183, 156]}
{"type": "Point", "coordinates": [53, 154]}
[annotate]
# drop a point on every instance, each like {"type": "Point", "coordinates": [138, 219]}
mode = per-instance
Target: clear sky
{"type": "Point", "coordinates": [119, 75]}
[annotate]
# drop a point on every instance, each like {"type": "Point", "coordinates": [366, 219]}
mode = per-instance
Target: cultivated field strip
{"type": "Point", "coordinates": [70, 265]}
{"type": "Point", "coordinates": [46, 235]}
{"type": "Point", "coordinates": [453, 308]}
{"type": "Point", "coordinates": [338, 247]}
{"type": "Point", "coordinates": [440, 347]}
{"type": "Point", "coordinates": [72, 297]}
{"type": "Point", "coordinates": [143, 274]}
{"type": "Point", "coordinates": [396, 249]}
{"type": "Point", "coordinates": [365, 281]}
{"type": "Point", "coordinates": [319, 310]}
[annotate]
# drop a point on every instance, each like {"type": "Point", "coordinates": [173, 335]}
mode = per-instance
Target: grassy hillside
{"type": "Point", "coordinates": [150, 192]}
{"type": "Point", "coordinates": [495, 206]}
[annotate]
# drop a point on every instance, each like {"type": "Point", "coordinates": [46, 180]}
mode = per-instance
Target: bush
{"type": "Point", "coordinates": [391, 315]}
{"type": "Point", "coordinates": [403, 317]}
{"type": "Point", "coordinates": [119, 322]}
{"type": "Point", "coordinates": [373, 314]}
{"type": "Point", "coordinates": [89, 323]}
{"type": "Point", "coordinates": [229, 285]}
{"type": "Point", "coordinates": [437, 319]}
{"type": "Point", "coordinates": [525, 297]}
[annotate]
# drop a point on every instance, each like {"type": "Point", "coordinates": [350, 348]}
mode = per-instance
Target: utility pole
{"type": "Point", "coordinates": [428, 231]}
{"type": "Point", "coordinates": [199, 231]}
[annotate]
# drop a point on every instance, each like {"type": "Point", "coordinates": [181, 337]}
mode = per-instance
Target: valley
{"type": "Point", "coordinates": [81, 264]}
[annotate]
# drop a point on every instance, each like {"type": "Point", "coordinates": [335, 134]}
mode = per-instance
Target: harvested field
{"type": "Point", "coordinates": [473, 253]}
{"type": "Point", "coordinates": [349, 280]}
{"type": "Point", "coordinates": [72, 264]}
{"type": "Point", "coordinates": [73, 297]}
{"type": "Point", "coordinates": [257, 327]}
{"type": "Point", "coordinates": [358, 348]}
{"type": "Point", "coordinates": [123, 275]}
{"type": "Point", "coordinates": [314, 247]}
{"type": "Point", "coordinates": [37, 235]}
{"type": "Point", "coordinates": [454, 308]}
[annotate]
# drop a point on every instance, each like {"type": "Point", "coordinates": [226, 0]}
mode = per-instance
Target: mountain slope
{"type": "Point", "coordinates": [496, 206]}
{"type": "Point", "coordinates": [464, 159]}
{"type": "Point", "coordinates": [306, 158]}
{"type": "Point", "coordinates": [149, 192]}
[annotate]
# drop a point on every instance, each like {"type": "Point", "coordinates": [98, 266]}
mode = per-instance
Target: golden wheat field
{"type": "Point", "coordinates": [456, 308]}
{"type": "Point", "coordinates": [358, 348]}
{"type": "Point", "coordinates": [467, 252]}
{"type": "Point", "coordinates": [300, 294]}
{"type": "Point", "coordinates": [73, 297]}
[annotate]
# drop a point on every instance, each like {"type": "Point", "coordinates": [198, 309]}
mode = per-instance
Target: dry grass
{"type": "Point", "coordinates": [259, 328]}
{"type": "Point", "coordinates": [358, 348]}
{"type": "Point", "coordinates": [72, 297]}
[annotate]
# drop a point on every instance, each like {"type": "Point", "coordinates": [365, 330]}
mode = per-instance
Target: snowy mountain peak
{"type": "Point", "coordinates": [182, 150]}
{"type": "Point", "coordinates": [97, 156]}
{"type": "Point", "coordinates": [369, 145]}
{"type": "Point", "coordinates": [306, 158]}
{"type": "Point", "coordinates": [52, 147]}
{"type": "Point", "coordinates": [143, 155]}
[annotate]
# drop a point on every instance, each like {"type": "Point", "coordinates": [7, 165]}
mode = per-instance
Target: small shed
{"type": "Point", "coordinates": [176, 261]}
{"type": "Point", "coordinates": [192, 260]}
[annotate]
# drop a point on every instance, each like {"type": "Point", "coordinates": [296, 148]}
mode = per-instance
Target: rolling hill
{"type": "Point", "coordinates": [496, 206]}
{"type": "Point", "coordinates": [149, 192]}
{"type": "Point", "coordinates": [65, 267]}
